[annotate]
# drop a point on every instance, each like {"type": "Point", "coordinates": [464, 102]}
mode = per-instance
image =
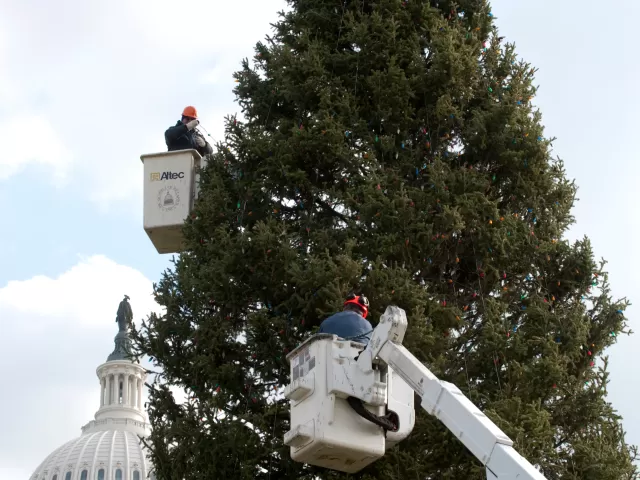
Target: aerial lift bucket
{"type": "Point", "coordinates": [170, 190]}
{"type": "Point", "coordinates": [325, 430]}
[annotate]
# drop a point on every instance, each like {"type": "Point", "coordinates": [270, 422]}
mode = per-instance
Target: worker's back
{"type": "Point", "coordinates": [348, 325]}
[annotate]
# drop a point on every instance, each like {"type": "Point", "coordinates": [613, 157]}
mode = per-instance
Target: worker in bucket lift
{"type": "Point", "coordinates": [351, 323]}
{"type": "Point", "coordinates": [184, 136]}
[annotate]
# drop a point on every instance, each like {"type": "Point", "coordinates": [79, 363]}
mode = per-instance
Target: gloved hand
{"type": "Point", "coordinates": [192, 124]}
{"type": "Point", "coordinates": [200, 141]}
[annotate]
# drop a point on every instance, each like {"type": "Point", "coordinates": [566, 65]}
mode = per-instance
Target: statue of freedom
{"type": "Point", "coordinates": [124, 317]}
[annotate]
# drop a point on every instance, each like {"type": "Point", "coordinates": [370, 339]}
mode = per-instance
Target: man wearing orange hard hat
{"type": "Point", "coordinates": [183, 135]}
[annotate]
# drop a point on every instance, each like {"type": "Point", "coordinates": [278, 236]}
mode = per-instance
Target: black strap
{"type": "Point", "coordinates": [387, 422]}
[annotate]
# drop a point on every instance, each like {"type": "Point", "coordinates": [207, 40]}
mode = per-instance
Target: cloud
{"type": "Point", "coordinates": [85, 294]}
{"type": "Point", "coordinates": [32, 139]}
{"type": "Point", "coordinates": [204, 27]}
{"type": "Point", "coordinates": [59, 330]}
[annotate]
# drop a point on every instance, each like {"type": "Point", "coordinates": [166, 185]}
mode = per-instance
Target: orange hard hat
{"type": "Point", "coordinates": [190, 112]}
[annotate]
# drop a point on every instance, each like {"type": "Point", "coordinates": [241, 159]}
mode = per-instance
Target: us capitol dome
{"type": "Point", "coordinates": [109, 447]}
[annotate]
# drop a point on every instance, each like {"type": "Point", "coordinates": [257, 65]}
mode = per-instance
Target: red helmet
{"type": "Point", "coordinates": [359, 300]}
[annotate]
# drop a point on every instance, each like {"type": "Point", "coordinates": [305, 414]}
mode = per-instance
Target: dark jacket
{"type": "Point", "coordinates": [348, 325]}
{"type": "Point", "coordinates": [179, 137]}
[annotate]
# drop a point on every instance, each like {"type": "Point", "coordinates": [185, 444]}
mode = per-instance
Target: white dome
{"type": "Point", "coordinates": [101, 455]}
{"type": "Point", "coordinates": [110, 446]}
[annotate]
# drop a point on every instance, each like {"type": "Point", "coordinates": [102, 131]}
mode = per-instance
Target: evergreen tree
{"type": "Point", "coordinates": [390, 148]}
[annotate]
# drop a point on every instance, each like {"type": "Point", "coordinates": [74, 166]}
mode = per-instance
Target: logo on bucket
{"type": "Point", "coordinates": [157, 176]}
{"type": "Point", "coordinates": [168, 198]}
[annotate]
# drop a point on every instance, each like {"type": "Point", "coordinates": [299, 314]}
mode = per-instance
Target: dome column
{"type": "Point", "coordinates": [134, 391]}
{"type": "Point", "coordinates": [107, 393]}
{"type": "Point", "coordinates": [115, 384]}
{"type": "Point", "coordinates": [125, 389]}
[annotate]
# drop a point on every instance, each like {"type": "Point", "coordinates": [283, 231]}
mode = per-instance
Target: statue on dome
{"type": "Point", "coordinates": [124, 317]}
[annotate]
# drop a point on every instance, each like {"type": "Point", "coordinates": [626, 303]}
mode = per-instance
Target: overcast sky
{"type": "Point", "coordinates": [86, 87]}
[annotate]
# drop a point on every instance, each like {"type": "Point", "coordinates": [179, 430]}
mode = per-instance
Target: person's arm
{"type": "Point", "coordinates": [203, 146]}
{"type": "Point", "coordinates": [366, 329]}
{"type": "Point", "coordinates": [173, 133]}
{"type": "Point", "coordinates": [208, 148]}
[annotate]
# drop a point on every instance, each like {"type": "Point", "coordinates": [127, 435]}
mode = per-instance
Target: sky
{"type": "Point", "coordinates": [87, 87]}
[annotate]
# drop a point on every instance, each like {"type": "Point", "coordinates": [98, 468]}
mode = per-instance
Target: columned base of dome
{"type": "Point", "coordinates": [119, 411]}
{"type": "Point", "coordinates": [126, 424]}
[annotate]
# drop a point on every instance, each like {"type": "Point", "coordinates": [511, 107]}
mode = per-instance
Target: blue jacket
{"type": "Point", "coordinates": [348, 325]}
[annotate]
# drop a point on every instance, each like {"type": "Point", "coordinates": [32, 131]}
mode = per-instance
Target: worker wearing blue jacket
{"type": "Point", "coordinates": [183, 135]}
{"type": "Point", "coordinates": [351, 323]}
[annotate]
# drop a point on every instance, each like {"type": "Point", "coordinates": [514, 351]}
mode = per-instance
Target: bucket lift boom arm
{"type": "Point", "coordinates": [445, 401]}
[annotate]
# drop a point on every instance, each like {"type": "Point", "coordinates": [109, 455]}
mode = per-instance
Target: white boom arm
{"type": "Point", "coordinates": [329, 376]}
{"type": "Point", "coordinates": [446, 402]}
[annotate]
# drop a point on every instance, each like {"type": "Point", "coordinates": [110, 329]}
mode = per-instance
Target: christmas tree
{"type": "Point", "coordinates": [389, 148]}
